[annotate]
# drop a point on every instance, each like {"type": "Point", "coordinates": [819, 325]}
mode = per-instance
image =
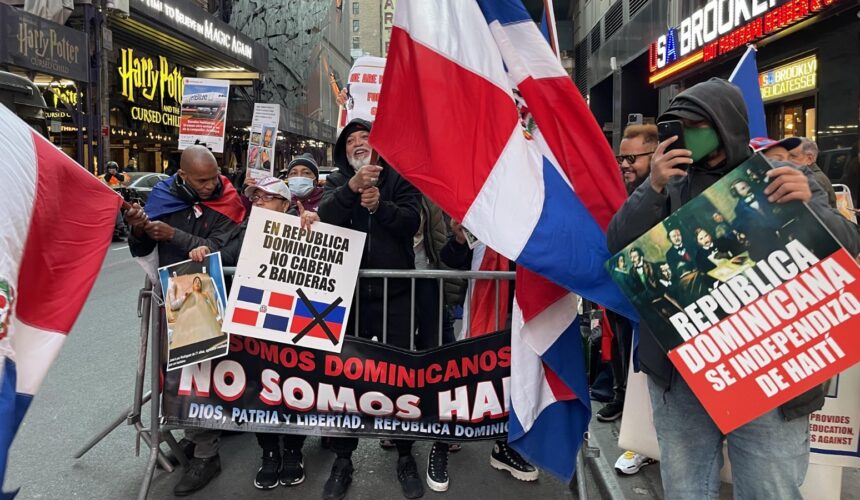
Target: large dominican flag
{"type": "Point", "coordinates": [57, 223]}
{"type": "Point", "coordinates": [478, 113]}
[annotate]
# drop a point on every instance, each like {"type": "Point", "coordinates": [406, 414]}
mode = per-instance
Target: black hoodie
{"type": "Point", "coordinates": [722, 104]}
{"type": "Point", "coordinates": [389, 230]}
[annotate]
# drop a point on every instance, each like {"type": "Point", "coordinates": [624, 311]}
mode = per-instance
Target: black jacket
{"type": "Point", "coordinates": [212, 229]}
{"type": "Point", "coordinates": [390, 229]}
{"type": "Point", "coordinates": [723, 103]}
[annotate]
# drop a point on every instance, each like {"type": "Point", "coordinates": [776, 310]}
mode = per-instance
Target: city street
{"type": "Point", "coordinates": [91, 384]}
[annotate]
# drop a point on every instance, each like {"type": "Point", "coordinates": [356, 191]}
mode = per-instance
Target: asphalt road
{"type": "Point", "coordinates": [91, 384]}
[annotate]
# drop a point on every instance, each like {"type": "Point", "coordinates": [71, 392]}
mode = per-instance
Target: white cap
{"type": "Point", "coordinates": [270, 185]}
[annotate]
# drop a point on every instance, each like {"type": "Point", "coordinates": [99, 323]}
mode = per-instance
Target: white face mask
{"type": "Point", "coordinates": [300, 186]}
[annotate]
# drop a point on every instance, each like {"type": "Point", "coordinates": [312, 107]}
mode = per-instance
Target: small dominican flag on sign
{"type": "Point", "coordinates": [305, 317]}
{"type": "Point", "coordinates": [263, 308]}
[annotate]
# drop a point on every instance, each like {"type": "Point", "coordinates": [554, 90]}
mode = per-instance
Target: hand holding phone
{"type": "Point", "coordinates": [671, 158]}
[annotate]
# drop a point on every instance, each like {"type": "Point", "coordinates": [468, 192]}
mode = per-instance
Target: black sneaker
{"type": "Point", "coordinates": [267, 475]}
{"type": "Point", "coordinates": [200, 472]}
{"type": "Point", "coordinates": [506, 458]}
{"type": "Point", "coordinates": [407, 474]}
{"type": "Point", "coordinates": [437, 467]}
{"type": "Point", "coordinates": [612, 411]}
{"type": "Point", "coordinates": [339, 480]}
{"type": "Point", "coordinates": [293, 471]}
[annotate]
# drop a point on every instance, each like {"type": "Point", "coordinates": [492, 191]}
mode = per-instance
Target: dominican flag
{"type": "Point", "coordinates": [474, 83]}
{"type": "Point", "coordinates": [333, 316]}
{"type": "Point", "coordinates": [57, 223]}
{"type": "Point", "coordinates": [263, 309]}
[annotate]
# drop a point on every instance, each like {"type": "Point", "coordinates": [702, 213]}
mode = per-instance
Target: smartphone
{"type": "Point", "coordinates": [667, 129]}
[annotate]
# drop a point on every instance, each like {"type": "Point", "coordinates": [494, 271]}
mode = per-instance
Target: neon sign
{"type": "Point", "coordinates": [720, 27]}
{"type": "Point", "coordinates": [788, 79]}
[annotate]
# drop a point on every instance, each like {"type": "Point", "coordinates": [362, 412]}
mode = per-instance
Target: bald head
{"type": "Point", "coordinates": [199, 169]}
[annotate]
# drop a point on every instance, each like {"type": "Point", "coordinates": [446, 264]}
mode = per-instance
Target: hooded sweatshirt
{"type": "Point", "coordinates": [722, 104]}
{"type": "Point", "coordinates": [390, 229]}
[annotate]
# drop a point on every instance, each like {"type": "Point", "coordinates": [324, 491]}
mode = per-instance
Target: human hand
{"type": "Point", "coordinates": [199, 253]}
{"type": "Point", "coordinates": [370, 198]}
{"type": "Point", "coordinates": [665, 164]}
{"type": "Point", "coordinates": [342, 97]}
{"type": "Point", "coordinates": [787, 184]}
{"type": "Point", "coordinates": [159, 231]}
{"type": "Point", "coordinates": [249, 179]}
{"type": "Point", "coordinates": [366, 177]}
{"type": "Point", "coordinates": [307, 217]}
{"type": "Point", "coordinates": [459, 232]}
{"type": "Point", "coordinates": [135, 216]}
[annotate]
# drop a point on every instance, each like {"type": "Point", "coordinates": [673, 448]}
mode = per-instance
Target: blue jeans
{"type": "Point", "coordinates": [769, 456]}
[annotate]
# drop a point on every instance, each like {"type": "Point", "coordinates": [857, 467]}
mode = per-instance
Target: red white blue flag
{"type": "Point", "coordinates": [478, 113]}
{"type": "Point", "coordinates": [263, 308]}
{"type": "Point", "coordinates": [58, 220]}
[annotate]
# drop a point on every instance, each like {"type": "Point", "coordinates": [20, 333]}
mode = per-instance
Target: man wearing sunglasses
{"type": "Point", "coordinates": [634, 154]}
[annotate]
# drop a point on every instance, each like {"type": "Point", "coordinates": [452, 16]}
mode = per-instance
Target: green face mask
{"type": "Point", "coordinates": [701, 141]}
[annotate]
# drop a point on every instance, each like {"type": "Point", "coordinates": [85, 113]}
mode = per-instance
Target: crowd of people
{"type": "Point", "coordinates": [406, 231]}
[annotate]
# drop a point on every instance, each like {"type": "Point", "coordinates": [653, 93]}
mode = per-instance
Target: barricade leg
{"type": "Point", "coordinates": [155, 402]}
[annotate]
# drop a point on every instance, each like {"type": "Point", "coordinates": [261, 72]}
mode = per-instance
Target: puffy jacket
{"type": "Point", "coordinates": [723, 104]}
{"type": "Point", "coordinates": [390, 230]}
{"type": "Point", "coordinates": [435, 238]}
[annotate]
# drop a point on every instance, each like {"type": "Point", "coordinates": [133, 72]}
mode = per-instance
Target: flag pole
{"type": "Point", "coordinates": [549, 12]}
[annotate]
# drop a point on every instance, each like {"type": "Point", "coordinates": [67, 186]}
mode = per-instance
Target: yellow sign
{"type": "Point", "coordinates": [149, 77]}
{"type": "Point", "coordinates": [788, 79]}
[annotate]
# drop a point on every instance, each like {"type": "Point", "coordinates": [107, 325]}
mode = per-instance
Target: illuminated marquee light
{"type": "Point", "coordinates": [793, 78]}
{"type": "Point", "coordinates": [712, 28]}
{"type": "Point", "coordinates": [693, 59]}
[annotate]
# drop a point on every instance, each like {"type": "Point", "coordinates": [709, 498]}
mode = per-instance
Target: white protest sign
{"type": "Point", "coordinates": [834, 429]}
{"type": "Point", "coordinates": [364, 86]}
{"type": "Point", "coordinates": [294, 286]}
{"type": "Point", "coordinates": [204, 113]}
{"type": "Point", "coordinates": [262, 140]}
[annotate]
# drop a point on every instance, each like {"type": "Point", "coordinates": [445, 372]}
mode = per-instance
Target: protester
{"type": "Point", "coordinates": [457, 254]}
{"type": "Point", "coordinates": [634, 154]}
{"type": "Point", "coordinates": [770, 454]}
{"type": "Point", "coordinates": [196, 207]}
{"type": "Point", "coordinates": [373, 198]}
{"type": "Point", "coordinates": [113, 177]}
{"type": "Point", "coordinates": [302, 175]}
{"type": "Point", "coordinates": [271, 194]}
{"type": "Point", "coordinates": [797, 150]}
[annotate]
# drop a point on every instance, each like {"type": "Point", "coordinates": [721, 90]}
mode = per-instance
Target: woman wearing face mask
{"type": "Point", "coordinates": [302, 176]}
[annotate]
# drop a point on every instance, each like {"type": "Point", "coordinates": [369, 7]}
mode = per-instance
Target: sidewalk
{"type": "Point", "coordinates": [647, 484]}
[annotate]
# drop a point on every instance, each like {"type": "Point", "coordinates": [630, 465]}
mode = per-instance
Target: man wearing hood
{"type": "Point", "coordinates": [376, 200]}
{"type": "Point", "coordinates": [769, 455]}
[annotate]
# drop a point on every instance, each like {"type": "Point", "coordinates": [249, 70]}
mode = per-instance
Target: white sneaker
{"type": "Point", "coordinates": [630, 462]}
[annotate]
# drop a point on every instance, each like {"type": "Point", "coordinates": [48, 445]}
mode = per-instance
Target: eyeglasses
{"type": "Point", "coordinates": [631, 159]}
{"type": "Point", "coordinates": [265, 197]}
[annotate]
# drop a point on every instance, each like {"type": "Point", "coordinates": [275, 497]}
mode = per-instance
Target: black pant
{"type": "Point", "coordinates": [622, 342]}
{"type": "Point", "coordinates": [427, 316]}
{"type": "Point", "coordinates": [272, 442]}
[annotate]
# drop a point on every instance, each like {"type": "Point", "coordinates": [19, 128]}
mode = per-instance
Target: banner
{"type": "Point", "coordinates": [755, 303]}
{"type": "Point", "coordinates": [204, 113]}
{"type": "Point", "coordinates": [194, 301]}
{"type": "Point", "coordinates": [264, 136]}
{"type": "Point", "coordinates": [456, 392]}
{"type": "Point", "coordinates": [363, 88]}
{"type": "Point", "coordinates": [834, 430]}
{"type": "Point", "coordinates": [293, 285]}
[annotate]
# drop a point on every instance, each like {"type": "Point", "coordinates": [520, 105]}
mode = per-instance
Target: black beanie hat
{"type": "Point", "coordinates": [305, 159]}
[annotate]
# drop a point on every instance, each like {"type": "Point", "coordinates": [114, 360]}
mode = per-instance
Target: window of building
{"type": "Point", "coordinates": [355, 28]}
{"type": "Point", "coordinates": [356, 42]}
{"type": "Point", "coordinates": [355, 8]}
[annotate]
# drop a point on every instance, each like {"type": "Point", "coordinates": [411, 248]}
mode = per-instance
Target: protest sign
{"type": "Point", "coordinates": [194, 302]}
{"type": "Point", "coordinates": [264, 136]}
{"type": "Point", "coordinates": [834, 429]}
{"type": "Point", "coordinates": [844, 202]}
{"type": "Point", "coordinates": [204, 113]}
{"type": "Point", "coordinates": [363, 88]}
{"type": "Point", "coordinates": [452, 393]}
{"type": "Point", "coordinates": [755, 302]}
{"type": "Point", "coordinates": [293, 285]}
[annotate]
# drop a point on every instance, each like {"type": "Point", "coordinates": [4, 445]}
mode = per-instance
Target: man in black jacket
{"type": "Point", "coordinates": [376, 200]}
{"type": "Point", "coordinates": [770, 454]}
{"type": "Point", "coordinates": [196, 207]}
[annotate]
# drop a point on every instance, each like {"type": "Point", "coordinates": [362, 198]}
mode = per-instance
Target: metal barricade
{"type": "Point", "coordinates": [152, 329]}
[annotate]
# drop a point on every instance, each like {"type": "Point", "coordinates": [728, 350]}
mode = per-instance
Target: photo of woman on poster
{"type": "Point", "coordinates": [197, 316]}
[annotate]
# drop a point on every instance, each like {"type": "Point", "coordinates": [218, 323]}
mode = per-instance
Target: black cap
{"type": "Point", "coordinates": [305, 159]}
